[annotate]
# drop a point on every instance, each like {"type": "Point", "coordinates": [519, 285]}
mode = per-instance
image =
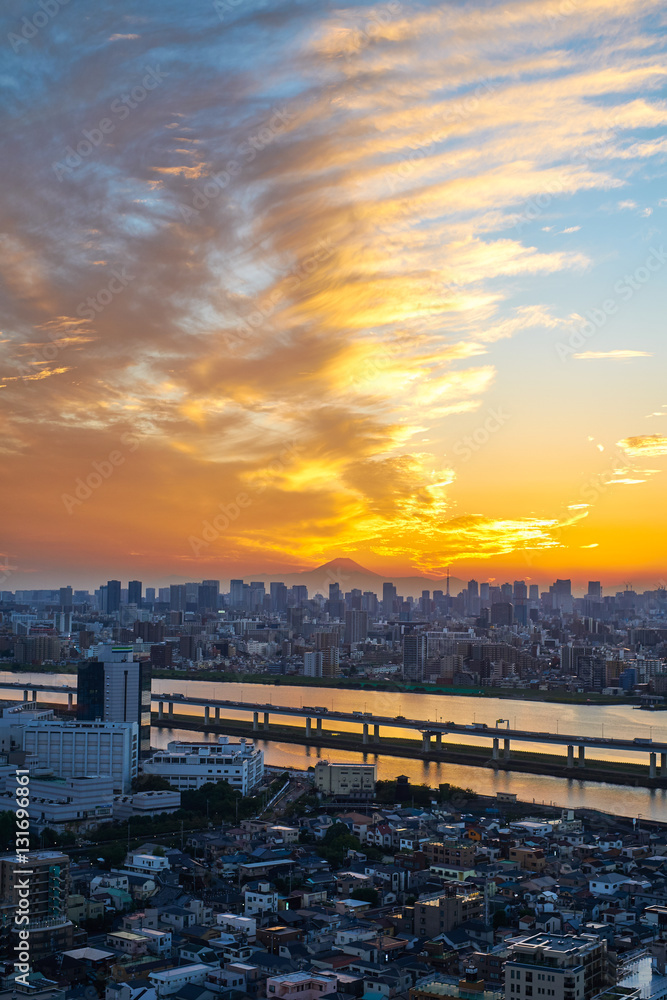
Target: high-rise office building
{"type": "Point", "coordinates": [594, 590]}
{"type": "Point", "coordinates": [534, 592]}
{"type": "Point", "coordinates": [356, 626]}
{"type": "Point", "coordinates": [257, 594]}
{"type": "Point", "coordinates": [369, 602]}
{"type": "Point", "coordinates": [236, 594]}
{"type": "Point", "coordinates": [278, 592]}
{"type": "Point", "coordinates": [299, 594]}
{"type": "Point", "coordinates": [115, 688]}
{"type": "Point", "coordinates": [520, 590]}
{"type": "Point", "coordinates": [177, 597]}
{"type": "Point", "coordinates": [388, 597]}
{"type": "Point", "coordinates": [425, 602]}
{"type": "Point", "coordinates": [66, 599]}
{"type": "Point", "coordinates": [502, 613]}
{"type": "Point", "coordinates": [150, 595]}
{"type": "Point", "coordinates": [112, 597]}
{"type": "Point", "coordinates": [473, 588]}
{"type": "Point", "coordinates": [207, 595]}
{"type": "Point", "coordinates": [134, 592]}
{"type": "Point", "coordinates": [561, 595]}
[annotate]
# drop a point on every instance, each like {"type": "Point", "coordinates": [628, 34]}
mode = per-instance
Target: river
{"type": "Point", "coordinates": [576, 720]}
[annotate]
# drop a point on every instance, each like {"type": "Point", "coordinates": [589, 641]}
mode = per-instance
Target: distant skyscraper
{"type": "Point", "coordinates": [561, 595]}
{"type": "Point", "coordinates": [112, 596]}
{"type": "Point", "coordinates": [134, 589]}
{"type": "Point", "coordinates": [257, 594]}
{"type": "Point", "coordinates": [388, 596]}
{"type": "Point", "coordinates": [520, 590]}
{"type": "Point", "coordinates": [595, 590]}
{"type": "Point", "coordinates": [356, 626]}
{"type": "Point", "coordinates": [150, 595]}
{"type": "Point", "coordinates": [66, 598]}
{"type": "Point", "coordinates": [369, 602]}
{"type": "Point", "coordinates": [236, 593]}
{"type": "Point", "coordinates": [207, 595]}
{"type": "Point", "coordinates": [473, 588]}
{"type": "Point", "coordinates": [534, 592]}
{"type": "Point", "coordinates": [278, 592]}
{"type": "Point", "coordinates": [300, 594]}
{"type": "Point", "coordinates": [502, 613]}
{"type": "Point", "coordinates": [177, 597]}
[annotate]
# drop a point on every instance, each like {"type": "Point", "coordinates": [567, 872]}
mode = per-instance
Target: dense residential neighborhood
{"type": "Point", "coordinates": [345, 887]}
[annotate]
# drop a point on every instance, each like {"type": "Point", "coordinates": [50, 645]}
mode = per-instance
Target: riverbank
{"type": "Point", "coordinates": [527, 762]}
{"type": "Point", "coordinates": [559, 696]}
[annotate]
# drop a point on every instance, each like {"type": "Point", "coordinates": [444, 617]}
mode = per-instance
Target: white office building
{"type": "Point", "coordinates": [191, 765]}
{"type": "Point", "coordinates": [74, 749]}
{"type": "Point", "coordinates": [59, 803]}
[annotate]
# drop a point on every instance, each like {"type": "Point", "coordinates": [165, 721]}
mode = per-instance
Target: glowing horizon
{"type": "Point", "coordinates": [379, 282]}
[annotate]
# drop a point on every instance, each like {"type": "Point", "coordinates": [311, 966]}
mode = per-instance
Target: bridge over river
{"type": "Point", "coordinates": [499, 736]}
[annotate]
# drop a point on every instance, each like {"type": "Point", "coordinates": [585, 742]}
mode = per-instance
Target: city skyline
{"type": "Point", "coordinates": [344, 575]}
{"type": "Point", "coordinates": [289, 283]}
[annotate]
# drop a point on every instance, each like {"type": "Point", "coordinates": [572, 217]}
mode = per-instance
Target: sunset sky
{"type": "Point", "coordinates": [385, 282]}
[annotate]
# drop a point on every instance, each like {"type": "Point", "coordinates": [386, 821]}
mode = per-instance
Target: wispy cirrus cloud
{"type": "Point", "coordinates": [645, 445]}
{"type": "Point", "coordinates": [611, 355]}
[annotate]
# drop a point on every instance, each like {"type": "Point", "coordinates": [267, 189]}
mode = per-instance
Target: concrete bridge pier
{"type": "Point", "coordinates": [570, 756]}
{"type": "Point", "coordinates": [255, 722]}
{"type": "Point", "coordinates": [376, 734]}
{"type": "Point", "coordinates": [438, 741]}
{"type": "Point", "coordinates": [34, 696]}
{"type": "Point", "coordinates": [266, 720]}
{"type": "Point", "coordinates": [309, 726]}
{"type": "Point", "coordinates": [507, 753]}
{"type": "Point", "coordinates": [426, 742]}
{"type": "Point", "coordinates": [582, 756]}
{"type": "Point", "coordinates": [663, 764]}
{"type": "Point", "coordinates": [25, 695]}
{"type": "Point", "coordinates": [207, 715]}
{"type": "Point", "coordinates": [170, 710]}
{"type": "Point", "coordinates": [365, 733]}
{"type": "Point", "coordinates": [70, 700]}
{"type": "Point", "coordinates": [651, 765]}
{"type": "Point", "coordinates": [496, 748]}
{"type": "Point", "coordinates": [160, 711]}
{"type": "Point", "coordinates": [217, 714]}
{"type": "Point", "coordinates": [319, 726]}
